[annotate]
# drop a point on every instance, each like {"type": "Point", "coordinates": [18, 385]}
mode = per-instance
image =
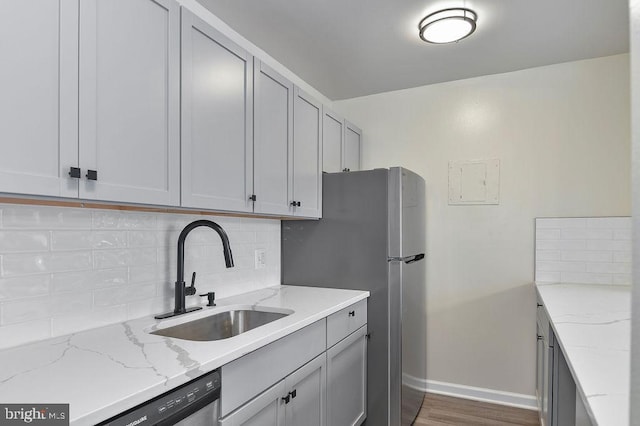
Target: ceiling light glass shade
{"type": "Point", "coordinates": [448, 25]}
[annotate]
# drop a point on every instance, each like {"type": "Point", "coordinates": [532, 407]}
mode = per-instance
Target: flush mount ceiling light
{"type": "Point", "coordinates": [448, 25]}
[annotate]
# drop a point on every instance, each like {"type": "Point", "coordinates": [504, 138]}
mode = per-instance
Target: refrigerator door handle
{"type": "Point", "coordinates": [407, 259]}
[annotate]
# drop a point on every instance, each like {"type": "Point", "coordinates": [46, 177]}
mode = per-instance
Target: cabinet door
{"type": "Point", "coordinates": [347, 380]}
{"type": "Point", "coordinates": [266, 409]}
{"type": "Point", "coordinates": [217, 108]}
{"type": "Point", "coordinates": [39, 96]}
{"type": "Point", "coordinates": [273, 138]}
{"type": "Point", "coordinates": [351, 148]}
{"type": "Point", "coordinates": [540, 355]}
{"type": "Point", "coordinates": [307, 155]}
{"type": "Point", "coordinates": [563, 389]}
{"type": "Point", "coordinates": [129, 100]}
{"type": "Point", "coordinates": [332, 137]}
{"type": "Point", "coordinates": [306, 389]}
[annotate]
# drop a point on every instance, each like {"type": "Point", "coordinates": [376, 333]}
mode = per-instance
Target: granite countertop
{"type": "Point", "coordinates": [105, 371]}
{"type": "Point", "coordinates": [593, 325]}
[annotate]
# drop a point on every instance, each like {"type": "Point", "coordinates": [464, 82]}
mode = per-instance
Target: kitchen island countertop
{"type": "Point", "coordinates": [104, 371]}
{"type": "Point", "coordinates": [593, 325]}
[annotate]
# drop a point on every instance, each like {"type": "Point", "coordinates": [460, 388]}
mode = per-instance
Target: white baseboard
{"type": "Point", "coordinates": [470, 392]}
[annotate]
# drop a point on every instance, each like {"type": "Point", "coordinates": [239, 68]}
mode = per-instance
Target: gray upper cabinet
{"type": "Point", "coordinates": [332, 141]}
{"type": "Point", "coordinates": [273, 139]}
{"type": "Point", "coordinates": [351, 147]}
{"type": "Point", "coordinates": [307, 156]}
{"type": "Point", "coordinates": [129, 101]}
{"type": "Point", "coordinates": [39, 101]}
{"type": "Point", "coordinates": [217, 142]}
{"type": "Point", "coordinates": [144, 102]}
{"type": "Point", "coordinates": [91, 86]}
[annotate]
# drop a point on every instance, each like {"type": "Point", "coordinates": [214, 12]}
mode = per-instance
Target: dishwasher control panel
{"type": "Point", "coordinates": [172, 406]}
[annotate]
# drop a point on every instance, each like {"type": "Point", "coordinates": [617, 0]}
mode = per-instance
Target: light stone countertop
{"type": "Point", "coordinates": [593, 325]}
{"type": "Point", "coordinates": [105, 371]}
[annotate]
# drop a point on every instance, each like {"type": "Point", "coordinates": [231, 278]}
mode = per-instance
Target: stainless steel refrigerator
{"type": "Point", "coordinates": [372, 237]}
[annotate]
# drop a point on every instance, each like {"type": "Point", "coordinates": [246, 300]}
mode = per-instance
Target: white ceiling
{"type": "Point", "coordinates": [350, 48]}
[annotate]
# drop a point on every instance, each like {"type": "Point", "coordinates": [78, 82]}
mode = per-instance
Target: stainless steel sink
{"type": "Point", "coordinates": [221, 325]}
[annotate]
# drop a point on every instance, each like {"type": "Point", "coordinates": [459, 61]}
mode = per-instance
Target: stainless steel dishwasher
{"type": "Point", "coordinates": [192, 404]}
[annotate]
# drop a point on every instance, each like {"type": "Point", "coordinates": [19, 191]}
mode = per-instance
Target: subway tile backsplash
{"type": "Point", "coordinates": [63, 270]}
{"type": "Point", "coordinates": [594, 250]}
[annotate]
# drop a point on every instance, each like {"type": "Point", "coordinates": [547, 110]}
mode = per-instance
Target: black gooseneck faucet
{"type": "Point", "coordinates": [181, 290]}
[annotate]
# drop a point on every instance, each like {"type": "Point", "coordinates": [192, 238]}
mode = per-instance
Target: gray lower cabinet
{"type": "Point", "coordinates": [305, 401]}
{"type": "Point", "coordinates": [299, 399]}
{"type": "Point", "coordinates": [347, 380]}
{"type": "Point", "coordinates": [316, 376]}
{"type": "Point", "coordinates": [264, 410]}
{"type": "Point", "coordinates": [558, 402]}
{"type": "Point", "coordinates": [544, 373]}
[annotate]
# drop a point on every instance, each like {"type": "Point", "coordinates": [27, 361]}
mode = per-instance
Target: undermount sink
{"type": "Point", "coordinates": [221, 325]}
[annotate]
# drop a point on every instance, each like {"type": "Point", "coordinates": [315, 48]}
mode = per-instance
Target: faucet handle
{"type": "Point", "coordinates": [191, 290]}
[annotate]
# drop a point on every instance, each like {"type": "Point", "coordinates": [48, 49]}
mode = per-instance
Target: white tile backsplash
{"type": "Point", "coordinates": [23, 241]}
{"type": "Point", "coordinates": [63, 270]}
{"type": "Point", "coordinates": [595, 250]}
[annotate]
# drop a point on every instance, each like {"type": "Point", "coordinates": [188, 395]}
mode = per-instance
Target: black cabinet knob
{"type": "Point", "coordinates": [253, 197]}
{"type": "Point", "coordinates": [92, 174]}
{"type": "Point", "coordinates": [74, 172]}
{"type": "Point", "coordinates": [352, 313]}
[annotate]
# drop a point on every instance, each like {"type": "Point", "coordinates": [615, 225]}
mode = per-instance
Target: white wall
{"type": "Point", "coordinates": [562, 135]}
{"type": "Point", "coordinates": [634, 13]}
{"type": "Point", "coordinates": [68, 269]}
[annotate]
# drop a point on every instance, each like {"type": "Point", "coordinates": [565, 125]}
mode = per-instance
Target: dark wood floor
{"type": "Point", "coordinates": [439, 410]}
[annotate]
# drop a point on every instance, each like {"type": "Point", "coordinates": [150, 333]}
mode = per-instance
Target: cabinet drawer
{"type": "Point", "coordinates": [345, 322]}
{"type": "Point", "coordinates": [249, 375]}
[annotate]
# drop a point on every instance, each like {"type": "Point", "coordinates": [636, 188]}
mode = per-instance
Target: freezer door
{"type": "Point", "coordinates": [407, 213]}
